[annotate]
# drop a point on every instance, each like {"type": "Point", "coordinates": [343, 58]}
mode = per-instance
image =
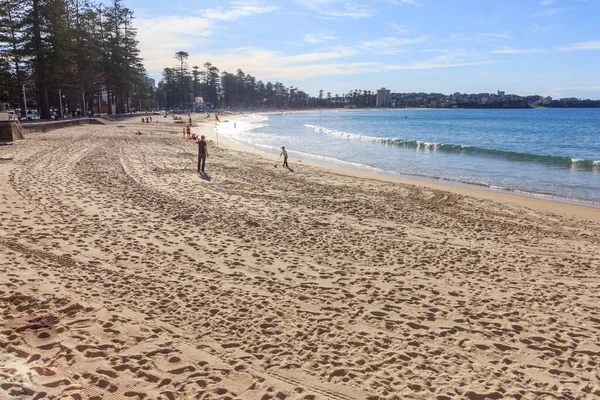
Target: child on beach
{"type": "Point", "coordinates": [187, 130]}
{"type": "Point", "coordinates": [285, 156]}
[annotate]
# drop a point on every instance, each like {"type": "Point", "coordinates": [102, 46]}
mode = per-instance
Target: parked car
{"type": "Point", "coordinates": [32, 114]}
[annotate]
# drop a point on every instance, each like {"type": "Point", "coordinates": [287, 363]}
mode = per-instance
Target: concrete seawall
{"type": "Point", "coordinates": [11, 131]}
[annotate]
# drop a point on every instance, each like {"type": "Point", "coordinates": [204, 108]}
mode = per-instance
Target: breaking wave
{"type": "Point", "coordinates": [562, 161]}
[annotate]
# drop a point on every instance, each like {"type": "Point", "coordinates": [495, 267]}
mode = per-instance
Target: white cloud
{"type": "Point", "coordinates": [320, 56]}
{"type": "Point", "coordinates": [397, 29]}
{"type": "Point", "coordinates": [319, 37]}
{"type": "Point", "coordinates": [158, 36]}
{"type": "Point", "coordinates": [237, 10]}
{"type": "Point", "coordinates": [161, 37]}
{"type": "Point", "coordinates": [507, 50]}
{"type": "Point", "coordinates": [389, 45]}
{"type": "Point", "coordinates": [577, 88]}
{"type": "Point", "coordinates": [437, 50]}
{"type": "Point", "coordinates": [456, 37]}
{"type": "Point", "coordinates": [409, 2]}
{"type": "Point", "coordinates": [339, 8]}
{"type": "Point", "coordinates": [271, 65]}
{"type": "Point", "coordinates": [591, 45]}
{"type": "Point", "coordinates": [502, 35]}
{"type": "Point", "coordinates": [563, 92]}
{"type": "Point", "coordinates": [435, 65]}
{"type": "Point", "coordinates": [355, 12]}
{"type": "Point", "coordinates": [546, 3]}
{"type": "Point", "coordinates": [548, 12]}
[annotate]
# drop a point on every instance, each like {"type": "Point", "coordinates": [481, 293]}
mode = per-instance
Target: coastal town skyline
{"type": "Point", "coordinates": [544, 47]}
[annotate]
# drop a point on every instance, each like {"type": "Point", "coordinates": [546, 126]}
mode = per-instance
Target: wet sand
{"type": "Point", "coordinates": [124, 274]}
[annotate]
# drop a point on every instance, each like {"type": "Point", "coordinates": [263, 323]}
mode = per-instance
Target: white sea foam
{"type": "Point", "coordinates": [348, 135]}
{"type": "Point", "coordinates": [239, 126]}
{"type": "Point", "coordinates": [419, 145]}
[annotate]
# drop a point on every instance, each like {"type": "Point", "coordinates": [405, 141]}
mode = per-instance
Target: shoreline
{"type": "Point", "coordinates": [554, 205]}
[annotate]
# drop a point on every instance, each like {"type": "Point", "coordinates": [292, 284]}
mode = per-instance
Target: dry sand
{"type": "Point", "coordinates": [124, 275]}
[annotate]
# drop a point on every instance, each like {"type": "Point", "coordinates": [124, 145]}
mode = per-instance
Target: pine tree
{"type": "Point", "coordinates": [13, 68]}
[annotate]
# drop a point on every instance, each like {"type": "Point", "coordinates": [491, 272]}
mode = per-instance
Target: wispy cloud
{"type": "Point", "coordinates": [436, 65]}
{"type": "Point", "coordinates": [395, 28]}
{"type": "Point", "coordinates": [237, 10]}
{"type": "Point", "coordinates": [160, 37]}
{"type": "Point", "coordinates": [447, 58]}
{"type": "Point", "coordinates": [501, 35]}
{"type": "Point", "coordinates": [339, 8]}
{"type": "Point", "coordinates": [457, 37]}
{"type": "Point", "coordinates": [507, 50]}
{"type": "Point", "coordinates": [163, 34]}
{"type": "Point", "coordinates": [562, 92]}
{"type": "Point", "coordinates": [591, 45]}
{"type": "Point", "coordinates": [546, 3]}
{"type": "Point", "coordinates": [334, 53]}
{"type": "Point", "coordinates": [319, 37]}
{"type": "Point", "coordinates": [409, 2]}
{"type": "Point", "coordinates": [578, 88]}
{"type": "Point", "coordinates": [548, 12]}
{"type": "Point", "coordinates": [389, 45]}
{"type": "Point", "coordinates": [271, 65]}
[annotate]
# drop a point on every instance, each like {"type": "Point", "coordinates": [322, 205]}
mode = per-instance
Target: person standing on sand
{"type": "Point", "coordinates": [202, 153]}
{"type": "Point", "coordinates": [285, 156]}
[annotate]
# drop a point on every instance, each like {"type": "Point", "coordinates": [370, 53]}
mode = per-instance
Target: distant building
{"type": "Point", "coordinates": [384, 98]}
{"type": "Point", "coordinates": [501, 93]}
{"type": "Point", "coordinates": [151, 84]}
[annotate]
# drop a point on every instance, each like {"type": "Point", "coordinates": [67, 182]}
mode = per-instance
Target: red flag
{"type": "Point", "coordinates": [217, 118]}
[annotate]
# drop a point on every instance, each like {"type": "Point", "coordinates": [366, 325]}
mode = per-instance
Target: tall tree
{"type": "Point", "coordinates": [181, 56]}
{"type": "Point", "coordinates": [195, 80]}
{"type": "Point", "coordinates": [12, 49]}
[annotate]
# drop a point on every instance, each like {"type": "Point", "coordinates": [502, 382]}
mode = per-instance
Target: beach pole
{"type": "Point", "coordinates": [24, 103]}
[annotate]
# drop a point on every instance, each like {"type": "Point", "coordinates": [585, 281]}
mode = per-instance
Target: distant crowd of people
{"type": "Point", "coordinates": [56, 114]}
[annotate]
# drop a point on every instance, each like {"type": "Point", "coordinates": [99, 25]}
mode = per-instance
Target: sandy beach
{"type": "Point", "coordinates": [126, 275]}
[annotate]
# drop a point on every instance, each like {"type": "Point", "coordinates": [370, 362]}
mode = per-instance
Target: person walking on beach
{"type": "Point", "coordinates": [202, 153]}
{"type": "Point", "coordinates": [285, 156]}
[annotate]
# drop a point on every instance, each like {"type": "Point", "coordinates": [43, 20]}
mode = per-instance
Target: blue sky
{"type": "Point", "coordinates": [547, 47]}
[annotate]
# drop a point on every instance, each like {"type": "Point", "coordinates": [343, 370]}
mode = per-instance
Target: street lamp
{"type": "Point", "coordinates": [25, 103]}
{"type": "Point", "coordinates": [60, 103]}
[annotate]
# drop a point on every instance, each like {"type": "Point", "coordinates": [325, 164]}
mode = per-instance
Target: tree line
{"type": "Point", "coordinates": [181, 85]}
{"type": "Point", "coordinates": [75, 52]}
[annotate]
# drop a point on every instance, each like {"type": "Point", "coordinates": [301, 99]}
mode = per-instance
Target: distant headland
{"type": "Point", "coordinates": [477, 100]}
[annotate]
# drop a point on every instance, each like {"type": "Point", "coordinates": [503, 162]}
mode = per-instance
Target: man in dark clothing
{"type": "Point", "coordinates": [202, 153]}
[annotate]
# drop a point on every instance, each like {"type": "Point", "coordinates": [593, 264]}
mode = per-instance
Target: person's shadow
{"type": "Point", "coordinates": [290, 169]}
{"type": "Point", "coordinates": [204, 176]}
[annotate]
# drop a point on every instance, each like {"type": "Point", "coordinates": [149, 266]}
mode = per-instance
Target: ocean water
{"type": "Point", "coordinates": [551, 153]}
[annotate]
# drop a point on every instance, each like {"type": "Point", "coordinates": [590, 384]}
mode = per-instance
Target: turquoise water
{"type": "Point", "coordinates": [542, 152]}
